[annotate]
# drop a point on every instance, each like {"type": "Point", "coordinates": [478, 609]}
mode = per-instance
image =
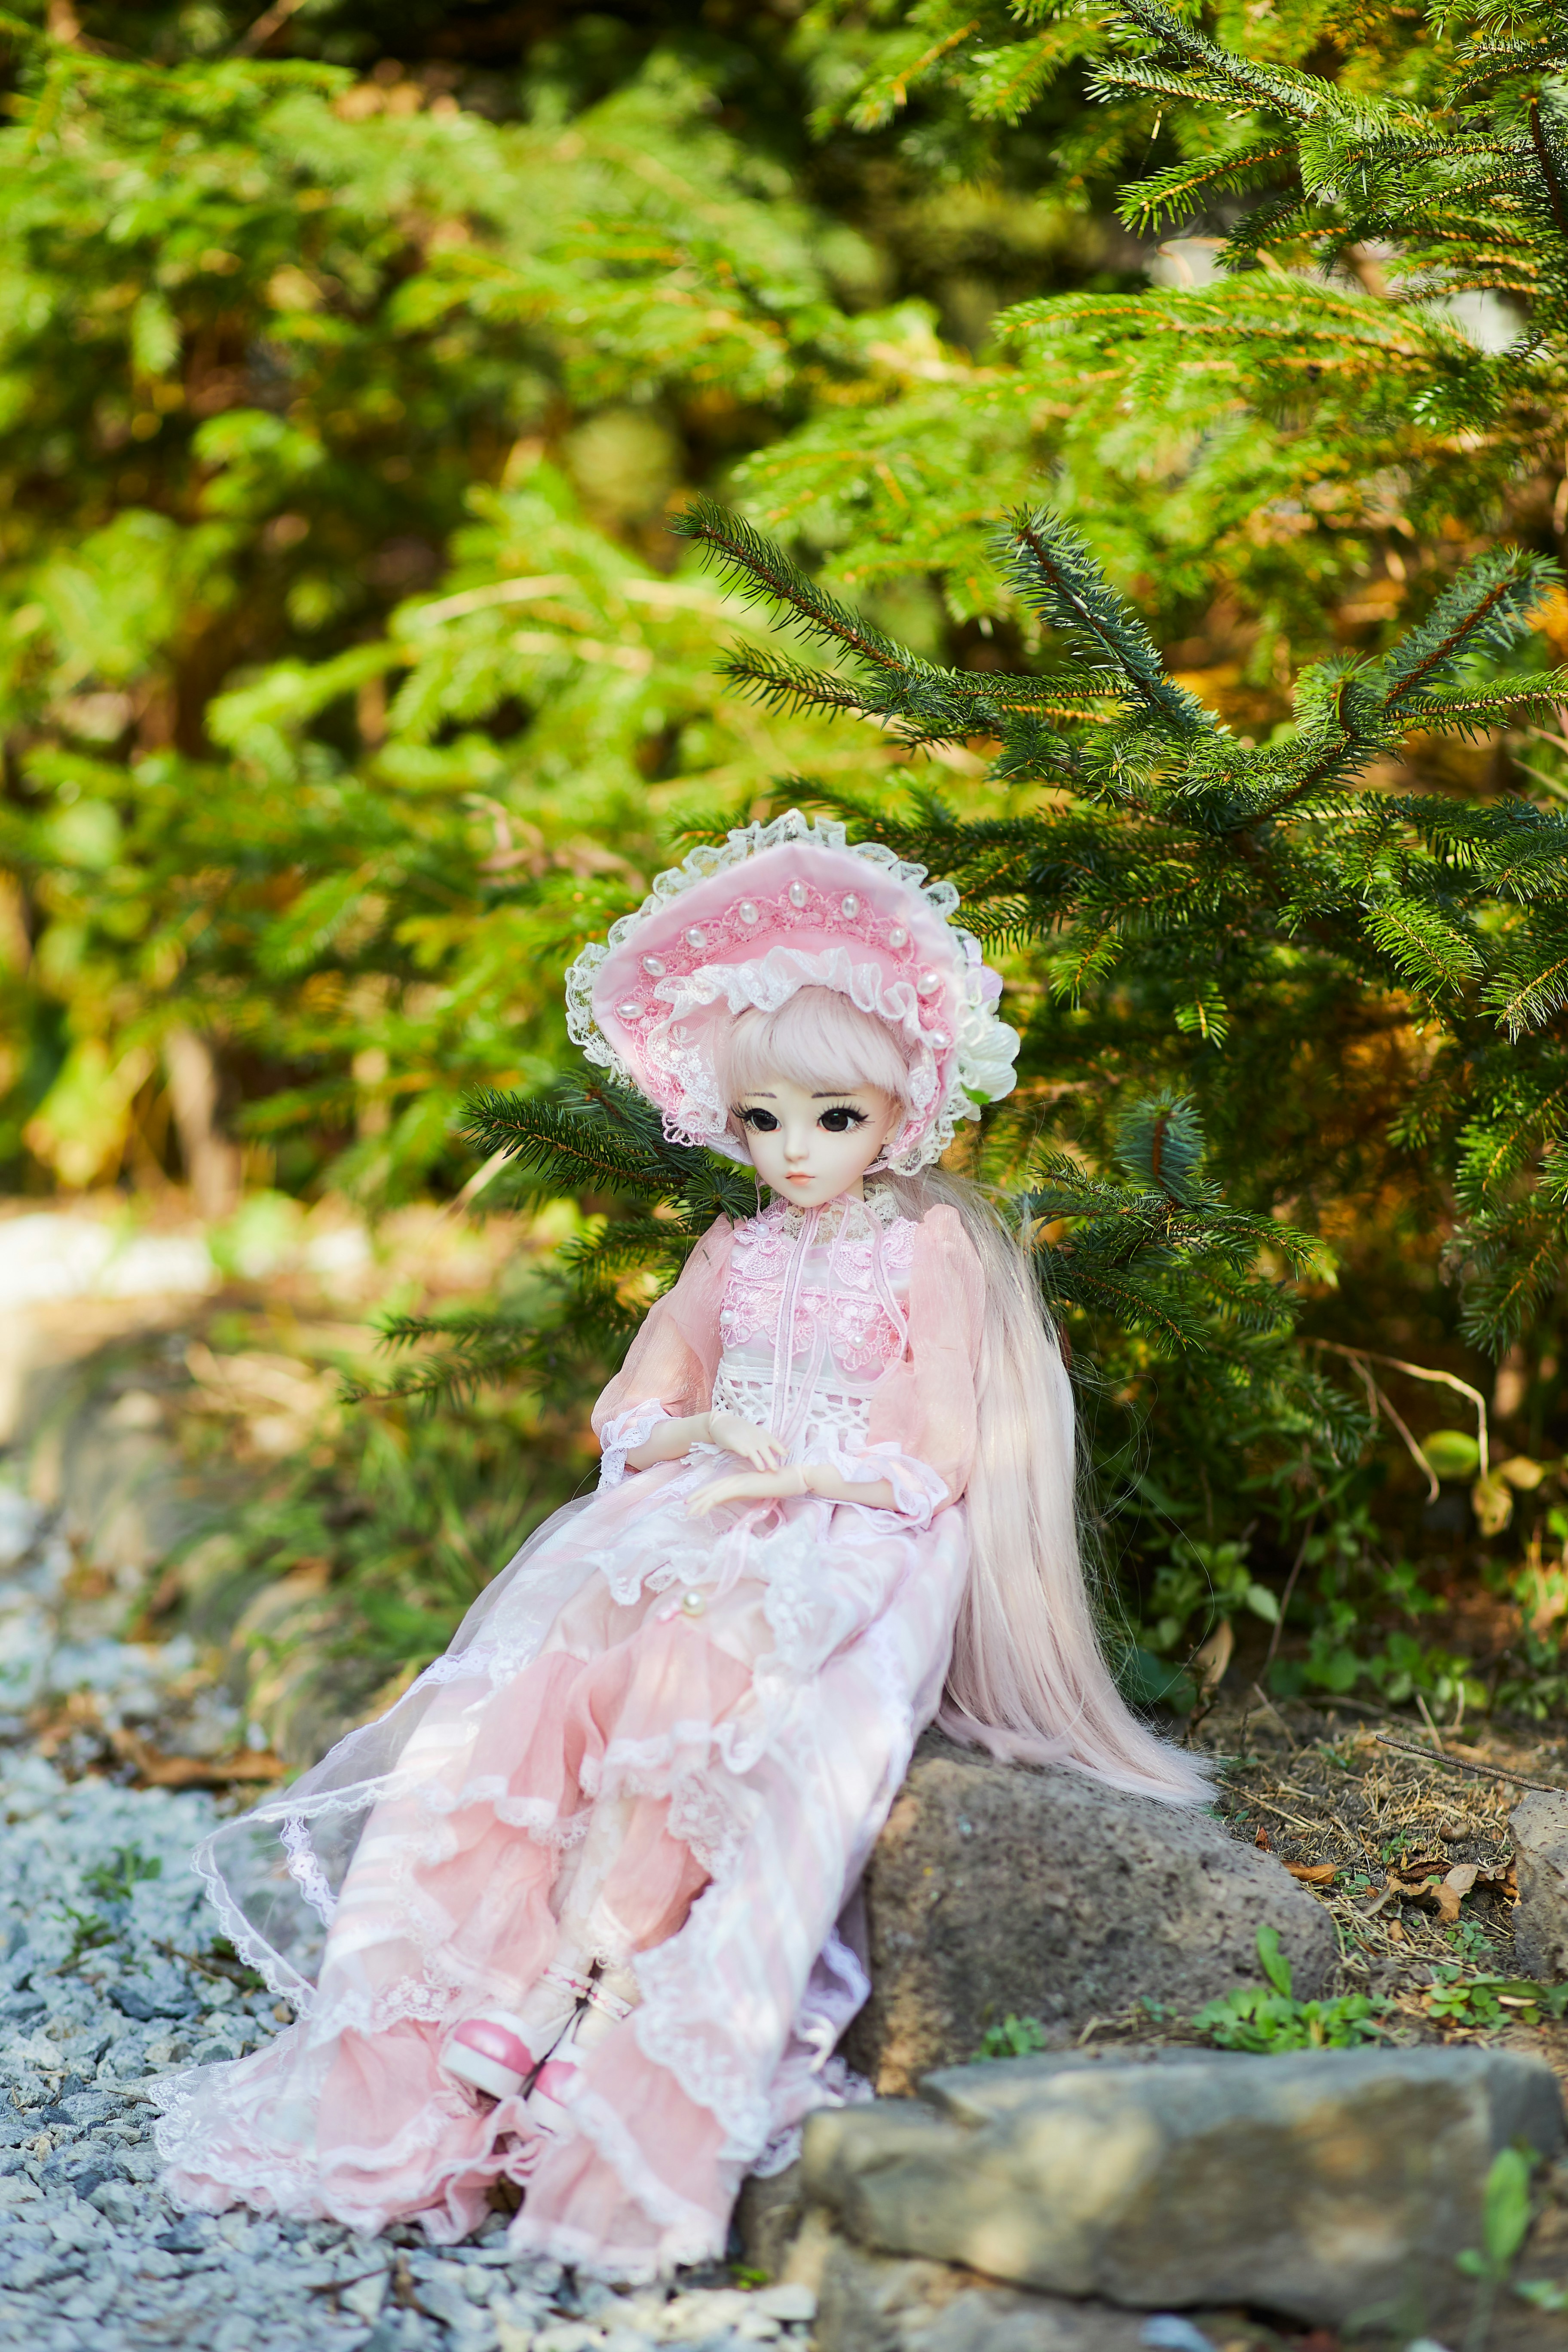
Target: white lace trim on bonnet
{"type": "Point", "coordinates": [811, 911]}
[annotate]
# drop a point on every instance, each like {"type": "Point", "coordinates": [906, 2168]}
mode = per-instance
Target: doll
{"type": "Point", "coordinates": [573, 1913]}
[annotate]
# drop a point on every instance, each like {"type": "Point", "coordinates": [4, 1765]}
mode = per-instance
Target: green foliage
{"type": "Point", "coordinates": [274, 364]}
{"type": "Point", "coordinates": [1016, 2037]}
{"type": "Point", "coordinates": [1506, 2217]}
{"type": "Point", "coordinates": [1487, 2001]}
{"type": "Point", "coordinates": [89, 1932]}
{"type": "Point", "coordinates": [113, 1881]}
{"type": "Point", "coordinates": [1270, 2019]}
{"type": "Point", "coordinates": [1542, 2293]}
{"type": "Point", "coordinates": [1213, 1578]}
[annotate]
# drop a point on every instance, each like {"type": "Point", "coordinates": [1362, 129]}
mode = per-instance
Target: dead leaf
{"type": "Point", "coordinates": [154, 1770]}
{"type": "Point", "coordinates": [1492, 1502]}
{"type": "Point", "coordinates": [1262, 1838]}
{"type": "Point", "coordinates": [1453, 1891]}
{"type": "Point", "coordinates": [1210, 1662]}
{"type": "Point", "coordinates": [1314, 1874]}
{"type": "Point", "coordinates": [1412, 1881]}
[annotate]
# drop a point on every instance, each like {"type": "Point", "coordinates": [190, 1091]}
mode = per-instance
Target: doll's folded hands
{"type": "Point", "coordinates": [817, 1478]}
{"type": "Point", "coordinates": [735, 1435]}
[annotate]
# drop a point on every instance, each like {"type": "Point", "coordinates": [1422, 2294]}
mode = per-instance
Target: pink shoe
{"type": "Point", "coordinates": [554, 2090]}
{"type": "Point", "coordinates": [491, 2054]}
{"type": "Point", "coordinates": [497, 2052]}
{"type": "Point", "coordinates": [556, 2087]}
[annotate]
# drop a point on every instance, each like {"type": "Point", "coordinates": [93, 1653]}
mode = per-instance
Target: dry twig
{"type": "Point", "coordinates": [1479, 1771]}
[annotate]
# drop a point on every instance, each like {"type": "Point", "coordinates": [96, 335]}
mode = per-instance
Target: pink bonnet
{"type": "Point", "coordinates": [779, 908]}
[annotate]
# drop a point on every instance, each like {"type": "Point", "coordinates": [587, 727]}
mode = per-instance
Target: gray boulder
{"type": "Point", "coordinates": [996, 1889]}
{"type": "Point", "coordinates": [1540, 1827]}
{"type": "Point", "coordinates": [1333, 2186]}
{"type": "Point", "coordinates": [868, 2301]}
{"type": "Point", "coordinates": [875, 2302]}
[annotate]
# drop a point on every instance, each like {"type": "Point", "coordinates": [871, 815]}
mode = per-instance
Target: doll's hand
{"type": "Point", "coordinates": [758, 1446]}
{"type": "Point", "coordinates": [747, 1486]}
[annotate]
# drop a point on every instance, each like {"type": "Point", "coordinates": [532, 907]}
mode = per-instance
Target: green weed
{"type": "Point", "coordinates": [1505, 2225]}
{"type": "Point", "coordinates": [127, 1867]}
{"type": "Point", "coordinates": [1269, 2019]}
{"type": "Point", "coordinates": [1016, 2037]}
{"type": "Point", "coordinates": [1485, 2001]}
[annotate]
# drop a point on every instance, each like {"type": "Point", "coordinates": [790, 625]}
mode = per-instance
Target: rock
{"type": "Point", "coordinates": [134, 2001]}
{"type": "Point", "coordinates": [118, 2203]}
{"type": "Point", "coordinates": [877, 2303]}
{"type": "Point", "coordinates": [768, 2215]}
{"type": "Point", "coordinates": [1315, 2184]}
{"type": "Point", "coordinates": [998, 1889]}
{"type": "Point", "coordinates": [792, 2299]}
{"type": "Point", "coordinates": [82, 2174]}
{"type": "Point", "coordinates": [1540, 1827]}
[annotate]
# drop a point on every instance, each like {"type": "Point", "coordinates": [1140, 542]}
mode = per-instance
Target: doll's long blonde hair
{"type": "Point", "coordinates": [1029, 1679]}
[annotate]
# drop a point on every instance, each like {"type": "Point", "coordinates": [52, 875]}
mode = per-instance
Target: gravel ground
{"type": "Point", "coordinates": [109, 1978]}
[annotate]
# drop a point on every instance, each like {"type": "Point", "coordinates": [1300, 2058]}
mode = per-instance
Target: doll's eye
{"type": "Point", "coordinates": [842, 1119]}
{"type": "Point", "coordinates": [762, 1120]}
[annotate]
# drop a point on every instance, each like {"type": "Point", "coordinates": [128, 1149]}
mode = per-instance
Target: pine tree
{"type": "Point", "coordinates": [1224, 876]}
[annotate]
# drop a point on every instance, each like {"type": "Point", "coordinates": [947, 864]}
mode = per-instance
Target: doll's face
{"type": "Point", "coordinates": [810, 1147]}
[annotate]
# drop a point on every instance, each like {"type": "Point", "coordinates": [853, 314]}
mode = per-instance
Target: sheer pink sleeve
{"type": "Point", "coordinates": [925, 1406]}
{"type": "Point", "coordinates": [669, 1366]}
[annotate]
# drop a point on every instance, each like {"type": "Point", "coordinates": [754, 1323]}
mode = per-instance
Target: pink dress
{"type": "Point", "coordinates": [406, 1881]}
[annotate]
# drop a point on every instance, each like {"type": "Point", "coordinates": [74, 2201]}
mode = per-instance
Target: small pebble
{"type": "Point", "coordinates": [787, 2301]}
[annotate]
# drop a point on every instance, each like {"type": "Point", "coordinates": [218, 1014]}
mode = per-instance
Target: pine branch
{"type": "Point", "coordinates": [1480, 63]}
{"type": "Point", "coordinates": [1530, 987]}
{"type": "Point", "coordinates": [929, 705]}
{"type": "Point", "coordinates": [1424, 947]}
{"type": "Point", "coordinates": [551, 1141]}
{"type": "Point", "coordinates": [1182, 189]}
{"type": "Point", "coordinates": [781, 685]}
{"type": "Point", "coordinates": [1161, 1141]}
{"type": "Point", "coordinates": [1549, 162]}
{"type": "Point", "coordinates": [1053, 572]}
{"type": "Point", "coordinates": [625, 1244]}
{"type": "Point", "coordinates": [1489, 603]}
{"type": "Point", "coordinates": [1210, 71]}
{"type": "Point", "coordinates": [1479, 708]}
{"type": "Point", "coordinates": [763, 573]}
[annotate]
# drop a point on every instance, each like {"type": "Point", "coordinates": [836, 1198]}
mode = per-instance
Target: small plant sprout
{"type": "Point", "coordinates": [1272, 2020]}
{"type": "Point", "coordinates": [1505, 2225]}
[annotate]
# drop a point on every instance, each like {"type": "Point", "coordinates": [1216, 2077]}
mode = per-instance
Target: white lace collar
{"type": "Point", "coordinates": [851, 1219]}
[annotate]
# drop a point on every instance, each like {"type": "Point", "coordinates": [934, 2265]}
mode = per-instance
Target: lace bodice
{"type": "Point", "coordinates": [815, 1309]}
{"type": "Point", "coordinates": [852, 1334]}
